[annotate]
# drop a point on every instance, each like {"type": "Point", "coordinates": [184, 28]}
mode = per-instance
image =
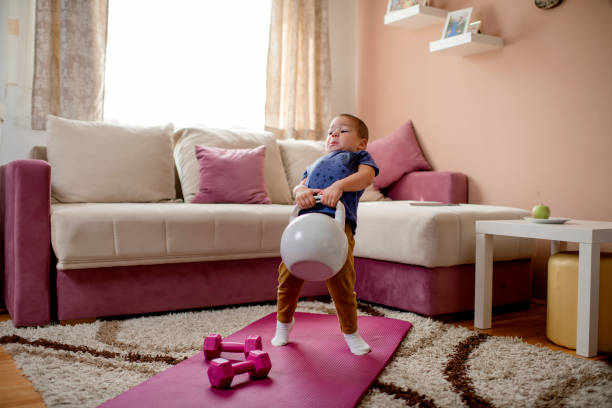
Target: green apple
{"type": "Point", "coordinates": [540, 211]}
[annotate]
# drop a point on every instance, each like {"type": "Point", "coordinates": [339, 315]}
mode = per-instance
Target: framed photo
{"type": "Point", "coordinates": [474, 27]}
{"type": "Point", "coordinates": [457, 22]}
{"type": "Point", "coordinates": [395, 5]}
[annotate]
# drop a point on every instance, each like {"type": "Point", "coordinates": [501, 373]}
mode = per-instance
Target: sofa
{"type": "Point", "coordinates": [111, 220]}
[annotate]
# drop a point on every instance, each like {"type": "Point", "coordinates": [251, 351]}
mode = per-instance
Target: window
{"type": "Point", "coordinates": [187, 62]}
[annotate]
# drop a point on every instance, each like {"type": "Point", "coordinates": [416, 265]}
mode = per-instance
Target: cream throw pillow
{"type": "Point", "coordinates": [299, 154]}
{"type": "Point", "coordinates": [187, 165]}
{"type": "Point", "coordinates": [371, 193]}
{"type": "Point", "coordinates": [101, 162]}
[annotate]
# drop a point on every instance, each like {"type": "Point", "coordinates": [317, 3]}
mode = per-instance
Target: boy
{"type": "Point", "coordinates": [342, 174]}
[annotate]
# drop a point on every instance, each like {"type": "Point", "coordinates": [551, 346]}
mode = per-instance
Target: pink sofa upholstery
{"type": "Point", "coordinates": [25, 189]}
{"type": "Point", "coordinates": [35, 293]}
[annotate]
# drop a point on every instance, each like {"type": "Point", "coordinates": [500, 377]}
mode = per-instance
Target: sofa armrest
{"type": "Point", "coordinates": [443, 186]}
{"type": "Point", "coordinates": [25, 207]}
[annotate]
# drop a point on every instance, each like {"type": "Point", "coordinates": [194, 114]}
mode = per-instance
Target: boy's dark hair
{"type": "Point", "coordinates": [362, 129]}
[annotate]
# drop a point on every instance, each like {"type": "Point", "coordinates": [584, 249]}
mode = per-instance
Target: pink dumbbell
{"type": "Point", "coordinates": [221, 371]}
{"type": "Point", "coordinates": [213, 346]}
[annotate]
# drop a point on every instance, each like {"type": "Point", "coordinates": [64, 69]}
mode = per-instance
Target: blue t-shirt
{"type": "Point", "coordinates": [331, 168]}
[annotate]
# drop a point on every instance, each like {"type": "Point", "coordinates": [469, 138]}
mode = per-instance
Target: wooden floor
{"type": "Point", "coordinates": [15, 389]}
{"type": "Point", "coordinates": [530, 325]}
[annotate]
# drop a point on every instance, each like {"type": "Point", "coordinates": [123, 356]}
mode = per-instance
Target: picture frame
{"type": "Point", "coordinates": [474, 27]}
{"type": "Point", "coordinates": [457, 22]}
{"type": "Point", "coordinates": [395, 5]}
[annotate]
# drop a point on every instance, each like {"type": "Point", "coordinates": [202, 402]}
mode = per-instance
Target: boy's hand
{"type": "Point", "coordinates": [332, 194]}
{"type": "Point", "coordinates": [304, 197]}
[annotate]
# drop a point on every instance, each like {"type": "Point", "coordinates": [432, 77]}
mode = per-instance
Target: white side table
{"type": "Point", "coordinates": [589, 234]}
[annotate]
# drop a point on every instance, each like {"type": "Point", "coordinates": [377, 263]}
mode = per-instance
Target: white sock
{"type": "Point", "coordinates": [357, 345]}
{"type": "Point", "coordinates": [282, 333]}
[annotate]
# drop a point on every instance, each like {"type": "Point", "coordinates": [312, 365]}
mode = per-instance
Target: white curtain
{"type": "Point", "coordinates": [16, 70]}
{"type": "Point", "coordinates": [16, 66]}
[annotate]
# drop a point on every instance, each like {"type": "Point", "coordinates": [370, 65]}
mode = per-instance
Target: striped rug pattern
{"type": "Point", "coordinates": [437, 365]}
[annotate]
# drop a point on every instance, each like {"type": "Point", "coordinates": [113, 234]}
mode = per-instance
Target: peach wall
{"type": "Point", "coordinates": [343, 55]}
{"type": "Point", "coordinates": [529, 123]}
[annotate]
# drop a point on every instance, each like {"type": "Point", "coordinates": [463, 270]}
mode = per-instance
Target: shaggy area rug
{"type": "Point", "coordinates": [437, 364]}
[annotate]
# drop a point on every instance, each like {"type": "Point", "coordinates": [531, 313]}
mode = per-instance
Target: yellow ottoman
{"type": "Point", "coordinates": [563, 300]}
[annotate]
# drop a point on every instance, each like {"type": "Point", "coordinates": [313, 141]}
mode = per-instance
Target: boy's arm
{"type": "Point", "coordinates": [355, 182]}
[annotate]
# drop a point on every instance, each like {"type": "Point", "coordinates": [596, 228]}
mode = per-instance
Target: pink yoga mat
{"type": "Point", "coordinates": [316, 369]}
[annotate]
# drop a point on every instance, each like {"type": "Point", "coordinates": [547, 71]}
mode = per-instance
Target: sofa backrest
{"type": "Point", "coordinates": [40, 153]}
{"type": "Point", "coordinates": [188, 167]}
{"type": "Point", "coordinates": [108, 163]}
{"type": "Point", "coordinates": [78, 142]}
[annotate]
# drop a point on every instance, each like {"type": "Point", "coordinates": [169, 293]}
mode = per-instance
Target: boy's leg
{"type": "Point", "coordinates": [289, 288]}
{"type": "Point", "coordinates": [342, 290]}
{"type": "Point", "coordinates": [341, 287]}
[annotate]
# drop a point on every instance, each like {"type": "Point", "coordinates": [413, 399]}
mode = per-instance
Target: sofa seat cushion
{"type": "Point", "coordinates": [432, 236]}
{"type": "Point", "coordinates": [89, 235]}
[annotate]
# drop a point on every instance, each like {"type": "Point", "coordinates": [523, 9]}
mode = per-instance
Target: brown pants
{"type": "Point", "coordinates": [341, 287]}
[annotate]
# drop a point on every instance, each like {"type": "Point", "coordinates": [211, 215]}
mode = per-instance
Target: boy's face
{"type": "Point", "coordinates": [342, 135]}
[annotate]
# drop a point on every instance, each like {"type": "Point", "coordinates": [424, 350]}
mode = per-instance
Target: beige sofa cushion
{"type": "Point", "coordinates": [299, 154]}
{"type": "Point", "coordinates": [432, 236]}
{"type": "Point", "coordinates": [98, 235]}
{"type": "Point", "coordinates": [92, 235]}
{"type": "Point", "coordinates": [371, 193]}
{"type": "Point", "coordinates": [184, 155]}
{"type": "Point", "coordinates": [100, 162]}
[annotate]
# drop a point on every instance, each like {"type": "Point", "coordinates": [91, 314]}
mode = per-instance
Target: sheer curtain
{"type": "Point", "coordinates": [70, 48]}
{"type": "Point", "coordinates": [299, 73]}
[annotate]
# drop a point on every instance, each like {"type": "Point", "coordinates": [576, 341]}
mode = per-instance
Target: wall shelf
{"type": "Point", "coordinates": [415, 17]}
{"type": "Point", "coordinates": [466, 44]}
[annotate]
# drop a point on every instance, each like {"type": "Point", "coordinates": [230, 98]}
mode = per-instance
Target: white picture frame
{"type": "Point", "coordinates": [457, 22]}
{"type": "Point", "coordinates": [396, 5]}
{"type": "Point", "coordinates": [474, 27]}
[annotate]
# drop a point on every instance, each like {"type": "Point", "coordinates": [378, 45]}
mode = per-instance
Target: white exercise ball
{"type": "Point", "coordinates": [314, 246]}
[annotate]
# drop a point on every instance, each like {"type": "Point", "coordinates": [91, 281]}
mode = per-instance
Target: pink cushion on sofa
{"type": "Point", "coordinates": [231, 175]}
{"type": "Point", "coordinates": [397, 154]}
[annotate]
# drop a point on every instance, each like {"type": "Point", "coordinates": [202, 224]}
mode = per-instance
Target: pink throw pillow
{"type": "Point", "coordinates": [397, 154]}
{"type": "Point", "coordinates": [231, 175]}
